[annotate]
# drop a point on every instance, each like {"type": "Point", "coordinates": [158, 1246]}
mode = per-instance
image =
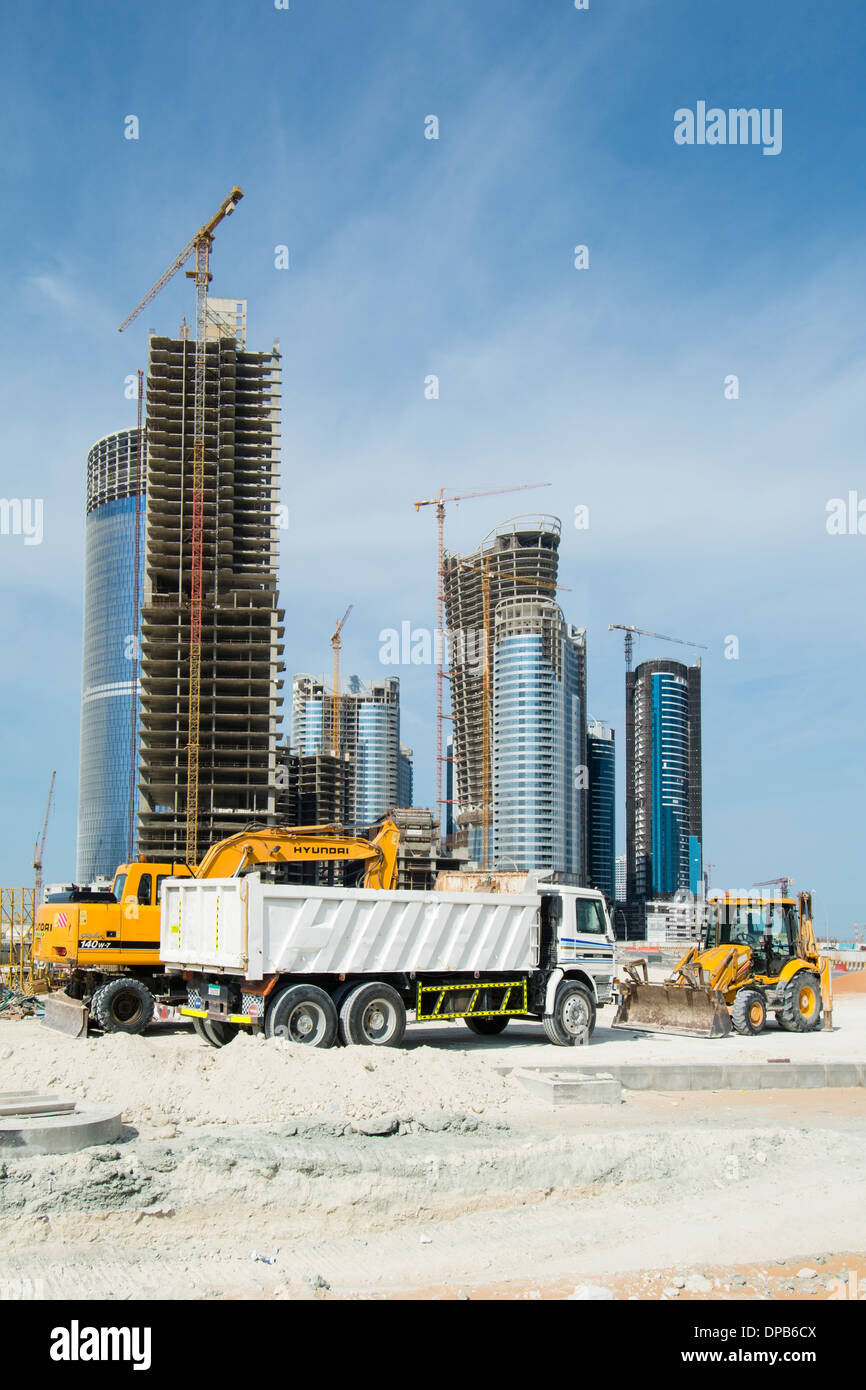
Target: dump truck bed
{"type": "Point", "coordinates": [246, 927]}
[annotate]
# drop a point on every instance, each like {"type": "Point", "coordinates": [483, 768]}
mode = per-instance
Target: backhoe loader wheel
{"type": "Point", "coordinates": [801, 1006]}
{"type": "Point", "coordinates": [372, 1015]}
{"type": "Point", "coordinates": [122, 1006]}
{"type": "Point", "coordinates": [215, 1031]}
{"type": "Point", "coordinates": [573, 1017]}
{"type": "Point", "coordinates": [302, 1014]}
{"type": "Point", "coordinates": [749, 1011]}
{"type": "Point", "coordinates": [486, 1027]}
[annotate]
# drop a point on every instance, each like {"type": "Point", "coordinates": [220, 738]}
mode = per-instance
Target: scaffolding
{"type": "Point", "coordinates": [17, 970]}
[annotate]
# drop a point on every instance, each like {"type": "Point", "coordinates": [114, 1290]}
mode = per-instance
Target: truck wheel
{"type": "Point", "coordinates": [372, 1015]}
{"type": "Point", "coordinates": [573, 1014]}
{"type": "Point", "coordinates": [302, 1014]}
{"type": "Point", "coordinates": [122, 1006]}
{"type": "Point", "coordinates": [801, 1005]}
{"type": "Point", "coordinates": [749, 1012]}
{"type": "Point", "coordinates": [486, 1027]}
{"type": "Point", "coordinates": [215, 1031]}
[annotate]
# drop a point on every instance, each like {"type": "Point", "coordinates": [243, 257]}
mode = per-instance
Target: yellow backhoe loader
{"type": "Point", "coordinates": [758, 956]}
{"type": "Point", "coordinates": [107, 952]}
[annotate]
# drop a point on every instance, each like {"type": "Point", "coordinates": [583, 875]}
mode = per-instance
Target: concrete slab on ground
{"type": "Point", "coordinates": [666, 1076]}
{"type": "Point", "coordinates": [55, 1126]}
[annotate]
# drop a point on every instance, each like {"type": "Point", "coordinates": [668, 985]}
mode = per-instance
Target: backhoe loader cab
{"type": "Point", "coordinates": [770, 929]}
{"type": "Point", "coordinates": [758, 956]}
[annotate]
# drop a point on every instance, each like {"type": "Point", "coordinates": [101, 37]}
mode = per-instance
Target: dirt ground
{"type": "Point", "coordinates": [428, 1174]}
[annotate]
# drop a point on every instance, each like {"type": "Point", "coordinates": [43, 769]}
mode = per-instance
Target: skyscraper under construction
{"type": "Point", "coordinates": [241, 621]}
{"type": "Point", "coordinates": [511, 659]}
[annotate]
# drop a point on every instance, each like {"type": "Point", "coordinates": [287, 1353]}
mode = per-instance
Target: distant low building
{"type": "Point", "coordinates": [620, 878]}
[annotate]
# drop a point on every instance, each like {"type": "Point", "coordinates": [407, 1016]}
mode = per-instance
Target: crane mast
{"type": "Point", "coordinates": [39, 849]}
{"type": "Point", "coordinates": [336, 643]}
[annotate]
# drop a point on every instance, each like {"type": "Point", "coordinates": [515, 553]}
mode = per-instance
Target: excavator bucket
{"type": "Point", "coordinates": [65, 1015]}
{"type": "Point", "coordinates": [689, 1009]}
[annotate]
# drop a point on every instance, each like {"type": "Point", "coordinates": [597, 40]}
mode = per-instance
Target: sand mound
{"type": "Point", "coordinates": [172, 1080]}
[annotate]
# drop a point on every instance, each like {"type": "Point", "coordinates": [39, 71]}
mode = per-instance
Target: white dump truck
{"type": "Point", "coordinates": [322, 965]}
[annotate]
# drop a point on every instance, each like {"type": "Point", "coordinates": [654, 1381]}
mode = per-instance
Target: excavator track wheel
{"type": "Point", "coordinates": [749, 1012]}
{"type": "Point", "coordinates": [801, 1006]}
{"type": "Point", "coordinates": [372, 1015]}
{"type": "Point", "coordinates": [122, 1006]}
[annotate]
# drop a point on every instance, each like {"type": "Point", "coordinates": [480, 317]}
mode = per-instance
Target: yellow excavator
{"type": "Point", "coordinates": [758, 956]}
{"type": "Point", "coordinates": [106, 951]}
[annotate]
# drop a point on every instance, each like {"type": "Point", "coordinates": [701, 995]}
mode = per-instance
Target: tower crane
{"type": "Point", "coordinates": [336, 643]}
{"type": "Point", "coordinates": [200, 248]}
{"type": "Point", "coordinates": [39, 849]}
{"type": "Point", "coordinates": [445, 498]}
{"type": "Point", "coordinates": [632, 632]}
{"type": "Point", "coordinates": [783, 884]}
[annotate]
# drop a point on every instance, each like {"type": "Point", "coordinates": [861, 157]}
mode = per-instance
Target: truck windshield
{"type": "Point", "coordinates": [590, 917]}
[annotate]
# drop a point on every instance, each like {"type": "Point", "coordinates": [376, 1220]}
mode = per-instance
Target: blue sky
{"type": "Point", "coordinates": [455, 257]}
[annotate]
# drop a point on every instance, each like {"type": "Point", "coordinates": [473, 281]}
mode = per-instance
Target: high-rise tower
{"type": "Point", "coordinates": [663, 776]}
{"type": "Point", "coordinates": [241, 621]}
{"type": "Point", "coordinates": [369, 738]}
{"type": "Point", "coordinates": [518, 560]}
{"type": "Point", "coordinates": [539, 738]}
{"type": "Point", "coordinates": [601, 765]}
{"type": "Point", "coordinates": [105, 768]}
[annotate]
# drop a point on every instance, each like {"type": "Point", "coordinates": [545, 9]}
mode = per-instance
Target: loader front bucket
{"type": "Point", "coordinates": [65, 1015]}
{"type": "Point", "coordinates": [697, 1013]}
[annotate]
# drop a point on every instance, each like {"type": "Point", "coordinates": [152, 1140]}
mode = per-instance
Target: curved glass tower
{"type": "Point", "coordinates": [601, 765]}
{"type": "Point", "coordinates": [105, 767]}
{"type": "Point", "coordinates": [369, 737]}
{"type": "Point", "coordinates": [663, 778]}
{"type": "Point", "coordinates": [539, 738]}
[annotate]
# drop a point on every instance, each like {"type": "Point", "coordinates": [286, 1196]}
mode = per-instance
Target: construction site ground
{"type": "Point", "coordinates": [265, 1170]}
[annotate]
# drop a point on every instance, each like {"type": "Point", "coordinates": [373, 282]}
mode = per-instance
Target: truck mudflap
{"type": "Point", "coordinates": [63, 1014]}
{"type": "Point", "coordinates": [684, 1008]}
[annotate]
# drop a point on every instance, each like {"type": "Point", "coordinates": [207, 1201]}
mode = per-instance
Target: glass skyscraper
{"type": "Point", "coordinates": [369, 737]}
{"type": "Point", "coordinates": [601, 766]}
{"type": "Point", "coordinates": [663, 778]}
{"type": "Point", "coordinates": [539, 738]}
{"type": "Point", "coordinates": [109, 656]}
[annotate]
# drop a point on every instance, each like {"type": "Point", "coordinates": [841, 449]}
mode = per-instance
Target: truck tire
{"type": "Point", "coordinates": [749, 1012]}
{"type": "Point", "coordinates": [801, 1005]}
{"type": "Point", "coordinates": [573, 1014]}
{"type": "Point", "coordinates": [122, 1006]}
{"type": "Point", "coordinates": [372, 1015]}
{"type": "Point", "coordinates": [486, 1027]}
{"type": "Point", "coordinates": [215, 1031]}
{"type": "Point", "coordinates": [302, 1014]}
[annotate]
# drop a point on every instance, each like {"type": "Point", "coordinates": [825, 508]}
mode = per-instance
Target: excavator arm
{"type": "Point", "coordinates": [306, 843]}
